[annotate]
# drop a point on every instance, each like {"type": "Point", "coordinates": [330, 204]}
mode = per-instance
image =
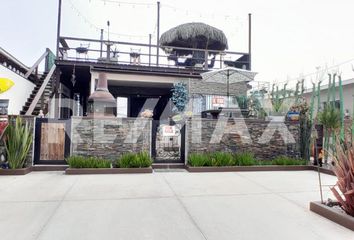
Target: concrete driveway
{"type": "Point", "coordinates": [165, 205]}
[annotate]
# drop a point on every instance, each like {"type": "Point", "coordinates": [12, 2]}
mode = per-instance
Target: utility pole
{"type": "Point", "coordinates": [249, 41]}
{"type": "Point", "coordinates": [58, 28]}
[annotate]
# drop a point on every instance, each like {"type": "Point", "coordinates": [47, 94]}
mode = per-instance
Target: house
{"type": "Point", "coordinates": [93, 96]}
{"type": "Point", "coordinates": [15, 85]}
{"type": "Point", "coordinates": [348, 90]}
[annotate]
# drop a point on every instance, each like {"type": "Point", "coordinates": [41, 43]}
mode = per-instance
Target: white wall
{"type": "Point", "coordinates": [348, 91]}
{"type": "Point", "coordinates": [18, 93]}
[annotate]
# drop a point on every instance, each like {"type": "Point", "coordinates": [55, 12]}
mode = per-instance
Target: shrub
{"type": "Point", "coordinates": [199, 160]}
{"type": "Point", "coordinates": [219, 159]}
{"type": "Point", "coordinates": [284, 160]}
{"type": "Point", "coordinates": [17, 141]}
{"type": "Point", "coordinates": [87, 162]}
{"type": "Point", "coordinates": [245, 159]}
{"type": "Point", "coordinates": [134, 160]}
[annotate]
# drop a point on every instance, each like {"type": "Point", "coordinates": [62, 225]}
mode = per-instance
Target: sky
{"type": "Point", "coordinates": [290, 38]}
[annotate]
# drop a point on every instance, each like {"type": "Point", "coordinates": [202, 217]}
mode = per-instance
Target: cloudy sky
{"type": "Point", "coordinates": [290, 37]}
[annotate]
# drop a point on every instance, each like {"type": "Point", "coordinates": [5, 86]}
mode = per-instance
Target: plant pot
{"type": "Point", "coordinates": [275, 118]}
{"type": "Point", "coordinates": [293, 116]}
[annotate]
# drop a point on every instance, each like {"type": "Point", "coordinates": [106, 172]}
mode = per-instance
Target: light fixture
{"type": "Point", "coordinates": [73, 77]}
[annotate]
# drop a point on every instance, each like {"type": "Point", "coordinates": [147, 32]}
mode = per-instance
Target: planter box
{"type": "Point", "coordinates": [48, 168]}
{"type": "Point", "coordinates": [71, 171]}
{"type": "Point", "coordinates": [20, 171]}
{"type": "Point", "coordinates": [341, 218]}
{"type": "Point", "coordinates": [249, 168]}
{"type": "Point", "coordinates": [324, 170]}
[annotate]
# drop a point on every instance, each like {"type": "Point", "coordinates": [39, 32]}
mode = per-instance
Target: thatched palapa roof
{"type": "Point", "coordinates": [194, 35]}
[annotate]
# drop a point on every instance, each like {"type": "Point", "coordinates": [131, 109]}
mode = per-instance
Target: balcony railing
{"type": "Point", "coordinates": [115, 52]}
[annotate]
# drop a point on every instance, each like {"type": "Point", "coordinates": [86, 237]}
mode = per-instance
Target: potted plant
{"type": "Point", "coordinates": [147, 113]}
{"type": "Point", "coordinates": [180, 100]}
{"type": "Point", "coordinates": [17, 141]}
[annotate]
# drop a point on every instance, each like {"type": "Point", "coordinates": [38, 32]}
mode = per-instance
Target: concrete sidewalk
{"type": "Point", "coordinates": [165, 205]}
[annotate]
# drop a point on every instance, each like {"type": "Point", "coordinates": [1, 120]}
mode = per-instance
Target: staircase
{"type": "Point", "coordinates": [43, 100]}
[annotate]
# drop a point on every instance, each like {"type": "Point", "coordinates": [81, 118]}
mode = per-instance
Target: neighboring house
{"type": "Point", "coordinates": [15, 88]}
{"type": "Point", "coordinates": [348, 99]}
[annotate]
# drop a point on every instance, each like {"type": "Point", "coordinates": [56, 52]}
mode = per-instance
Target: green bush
{"type": "Point", "coordinates": [17, 141]}
{"type": "Point", "coordinates": [284, 160]}
{"type": "Point", "coordinates": [216, 159]}
{"type": "Point", "coordinates": [199, 160]}
{"type": "Point", "coordinates": [219, 159]}
{"type": "Point", "coordinates": [245, 159]}
{"type": "Point", "coordinates": [134, 160]}
{"type": "Point", "coordinates": [87, 162]}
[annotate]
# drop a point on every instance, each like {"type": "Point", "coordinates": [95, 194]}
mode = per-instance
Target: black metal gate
{"type": "Point", "coordinates": [168, 142]}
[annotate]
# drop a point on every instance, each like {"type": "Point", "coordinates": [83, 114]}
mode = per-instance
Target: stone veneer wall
{"type": "Point", "coordinates": [109, 137]}
{"type": "Point", "coordinates": [232, 142]}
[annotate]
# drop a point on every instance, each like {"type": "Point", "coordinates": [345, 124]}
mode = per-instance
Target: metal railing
{"type": "Point", "coordinates": [116, 52]}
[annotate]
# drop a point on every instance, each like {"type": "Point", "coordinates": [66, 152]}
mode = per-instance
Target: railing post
{"type": "Point", "coordinates": [149, 49]}
{"type": "Point", "coordinates": [221, 54]}
{"type": "Point", "coordinates": [158, 34]}
{"type": "Point", "coordinates": [206, 59]}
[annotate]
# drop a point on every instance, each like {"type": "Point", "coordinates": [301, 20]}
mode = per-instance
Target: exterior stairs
{"type": "Point", "coordinates": [42, 103]}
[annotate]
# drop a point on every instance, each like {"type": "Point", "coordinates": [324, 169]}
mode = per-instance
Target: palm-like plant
{"type": "Point", "coordinates": [344, 170]}
{"type": "Point", "coordinates": [18, 140]}
{"type": "Point", "coordinates": [329, 118]}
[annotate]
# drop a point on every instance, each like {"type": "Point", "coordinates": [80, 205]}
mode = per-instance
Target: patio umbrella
{"type": "Point", "coordinates": [230, 75]}
{"type": "Point", "coordinates": [194, 35]}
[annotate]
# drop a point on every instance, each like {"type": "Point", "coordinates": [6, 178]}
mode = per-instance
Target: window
{"type": "Point", "coordinates": [336, 104]}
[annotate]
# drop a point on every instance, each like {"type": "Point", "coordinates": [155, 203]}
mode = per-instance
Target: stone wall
{"type": "Point", "coordinates": [110, 137]}
{"type": "Point", "coordinates": [243, 135]}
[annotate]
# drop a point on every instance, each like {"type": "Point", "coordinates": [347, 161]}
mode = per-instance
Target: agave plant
{"type": "Point", "coordinates": [17, 140]}
{"type": "Point", "coordinates": [344, 170]}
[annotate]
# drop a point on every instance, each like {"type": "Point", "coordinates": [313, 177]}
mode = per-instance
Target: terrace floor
{"type": "Point", "coordinates": [165, 205]}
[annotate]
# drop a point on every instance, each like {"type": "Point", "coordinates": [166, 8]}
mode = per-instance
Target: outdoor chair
{"type": "Point", "coordinates": [83, 49]}
{"type": "Point", "coordinates": [135, 56]}
{"type": "Point", "coordinates": [212, 62]}
{"type": "Point", "coordinates": [242, 62]}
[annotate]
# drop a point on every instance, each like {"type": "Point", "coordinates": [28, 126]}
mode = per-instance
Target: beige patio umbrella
{"type": "Point", "coordinates": [228, 75]}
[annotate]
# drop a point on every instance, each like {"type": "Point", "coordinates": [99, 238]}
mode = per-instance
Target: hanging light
{"type": "Point", "coordinates": [73, 77]}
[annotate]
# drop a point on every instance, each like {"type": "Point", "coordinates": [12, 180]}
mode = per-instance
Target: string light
{"type": "Point", "coordinates": [126, 3]}
{"type": "Point", "coordinates": [201, 14]}
{"type": "Point", "coordinates": [98, 29]}
{"type": "Point", "coordinates": [312, 74]}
